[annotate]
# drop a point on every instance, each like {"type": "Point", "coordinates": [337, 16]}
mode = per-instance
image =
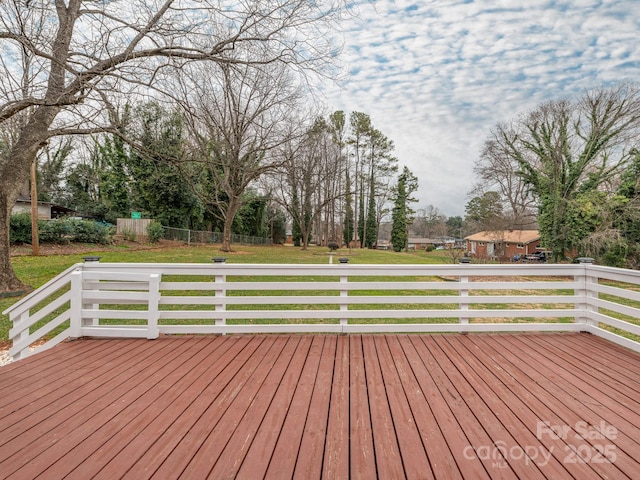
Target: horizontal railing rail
{"type": "Point", "coordinates": [29, 315]}
{"type": "Point", "coordinates": [147, 300]}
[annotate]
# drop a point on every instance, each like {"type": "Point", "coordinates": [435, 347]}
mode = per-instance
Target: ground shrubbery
{"type": "Point", "coordinates": [62, 230]}
{"type": "Point", "coordinates": [155, 232]}
{"type": "Point", "coordinates": [20, 229]}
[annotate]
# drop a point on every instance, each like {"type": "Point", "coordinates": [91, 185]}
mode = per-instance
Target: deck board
{"type": "Point", "coordinates": [176, 433]}
{"type": "Point", "coordinates": [323, 406]}
{"type": "Point", "coordinates": [336, 454]}
{"type": "Point", "coordinates": [473, 421]}
{"type": "Point", "coordinates": [546, 407]}
{"type": "Point", "coordinates": [518, 415]}
{"type": "Point", "coordinates": [310, 453]}
{"type": "Point", "coordinates": [412, 450]}
{"type": "Point", "coordinates": [276, 448]}
{"type": "Point", "coordinates": [121, 408]}
{"type": "Point", "coordinates": [362, 461]}
{"type": "Point", "coordinates": [215, 426]}
{"type": "Point", "coordinates": [138, 431]}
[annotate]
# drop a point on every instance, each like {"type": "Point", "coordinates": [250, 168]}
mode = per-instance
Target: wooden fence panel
{"type": "Point", "coordinates": [137, 226]}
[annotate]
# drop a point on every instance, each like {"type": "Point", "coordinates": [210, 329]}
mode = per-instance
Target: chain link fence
{"type": "Point", "coordinates": [195, 236]}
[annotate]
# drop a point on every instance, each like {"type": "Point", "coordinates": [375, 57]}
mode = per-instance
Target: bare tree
{"type": "Point", "coordinates": [497, 171]}
{"type": "Point", "coordinates": [62, 60]}
{"type": "Point", "coordinates": [430, 223]}
{"type": "Point", "coordinates": [304, 171]}
{"type": "Point", "coordinates": [237, 115]}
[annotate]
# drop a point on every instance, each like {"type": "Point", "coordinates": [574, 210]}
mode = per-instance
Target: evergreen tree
{"type": "Point", "coordinates": [158, 185]}
{"type": "Point", "coordinates": [402, 212]}
{"type": "Point", "coordinates": [371, 232]}
{"type": "Point", "coordinates": [296, 234]}
{"type": "Point", "coordinates": [50, 172]}
{"type": "Point", "coordinates": [115, 177]}
{"type": "Point", "coordinates": [627, 215]}
{"type": "Point", "coordinates": [83, 182]}
{"type": "Point", "coordinates": [454, 226]}
{"type": "Point", "coordinates": [399, 235]}
{"type": "Point", "coordinates": [251, 219]}
{"type": "Point", "coordinates": [277, 224]}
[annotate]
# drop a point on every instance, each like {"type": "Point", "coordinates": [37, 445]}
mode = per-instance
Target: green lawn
{"type": "Point", "coordinates": [35, 271]}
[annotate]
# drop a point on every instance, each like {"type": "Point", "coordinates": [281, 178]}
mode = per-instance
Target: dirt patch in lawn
{"type": "Point", "coordinates": [79, 248]}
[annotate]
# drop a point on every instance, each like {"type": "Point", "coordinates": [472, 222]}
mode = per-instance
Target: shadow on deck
{"type": "Point", "coordinates": [324, 406]}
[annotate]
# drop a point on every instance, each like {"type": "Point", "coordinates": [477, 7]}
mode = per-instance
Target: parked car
{"type": "Point", "coordinates": [537, 257]}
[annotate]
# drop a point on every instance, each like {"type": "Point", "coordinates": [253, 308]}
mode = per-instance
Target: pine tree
{"type": "Point", "coordinates": [407, 184]}
{"type": "Point", "coordinates": [399, 218]}
{"type": "Point", "coordinates": [371, 232]}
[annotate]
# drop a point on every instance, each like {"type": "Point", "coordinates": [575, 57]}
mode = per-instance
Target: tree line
{"type": "Point", "coordinates": [68, 64]}
{"type": "Point", "coordinates": [173, 169]}
{"type": "Point", "coordinates": [194, 113]}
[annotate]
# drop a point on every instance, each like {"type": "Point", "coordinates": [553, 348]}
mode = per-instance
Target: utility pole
{"type": "Point", "coordinates": [35, 241]}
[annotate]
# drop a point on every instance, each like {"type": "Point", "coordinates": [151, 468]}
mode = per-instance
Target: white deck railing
{"type": "Point", "coordinates": [147, 300]}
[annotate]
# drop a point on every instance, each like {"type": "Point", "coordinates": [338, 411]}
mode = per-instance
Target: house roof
{"type": "Point", "coordinates": [506, 236]}
{"type": "Point", "coordinates": [421, 240]}
{"type": "Point", "coordinates": [443, 239]}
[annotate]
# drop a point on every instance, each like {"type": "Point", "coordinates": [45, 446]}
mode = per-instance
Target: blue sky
{"type": "Point", "coordinates": [436, 75]}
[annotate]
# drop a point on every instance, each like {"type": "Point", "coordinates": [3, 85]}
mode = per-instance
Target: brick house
{"type": "Point", "coordinates": [503, 243]}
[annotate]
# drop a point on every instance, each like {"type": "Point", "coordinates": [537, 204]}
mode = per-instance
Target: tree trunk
{"type": "Point", "coordinates": [305, 240]}
{"type": "Point", "coordinates": [35, 239]}
{"type": "Point", "coordinates": [8, 280]}
{"type": "Point", "coordinates": [226, 234]}
{"type": "Point", "coordinates": [234, 206]}
{"type": "Point", "coordinates": [13, 175]}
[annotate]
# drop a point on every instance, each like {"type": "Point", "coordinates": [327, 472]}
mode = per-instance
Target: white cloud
{"type": "Point", "coordinates": [435, 76]}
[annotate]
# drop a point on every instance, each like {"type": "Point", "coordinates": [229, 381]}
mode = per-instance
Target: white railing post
{"type": "Point", "coordinates": [589, 280]}
{"type": "Point", "coordinates": [154, 311]}
{"type": "Point", "coordinates": [75, 310]}
{"type": "Point", "coordinates": [464, 292]}
{"type": "Point", "coordinates": [220, 292]}
{"type": "Point", "coordinates": [344, 292]}
{"type": "Point", "coordinates": [24, 319]}
{"type": "Point", "coordinates": [94, 306]}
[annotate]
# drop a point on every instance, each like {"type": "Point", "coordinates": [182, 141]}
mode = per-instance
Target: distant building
{"type": "Point", "coordinates": [46, 210]}
{"type": "Point", "coordinates": [503, 243]}
{"type": "Point", "coordinates": [383, 245]}
{"type": "Point", "coordinates": [420, 243]}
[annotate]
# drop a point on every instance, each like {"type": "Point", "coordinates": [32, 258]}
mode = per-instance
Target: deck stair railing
{"type": "Point", "coordinates": [95, 299]}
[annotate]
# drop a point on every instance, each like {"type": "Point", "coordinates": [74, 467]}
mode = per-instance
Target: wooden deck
{"type": "Point", "coordinates": [323, 406]}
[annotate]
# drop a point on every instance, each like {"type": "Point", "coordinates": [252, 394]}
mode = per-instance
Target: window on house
{"type": "Point", "coordinates": [520, 245]}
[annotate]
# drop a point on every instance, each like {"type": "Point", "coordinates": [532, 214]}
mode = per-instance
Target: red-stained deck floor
{"type": "Point", "coordinates": [321, 406]}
